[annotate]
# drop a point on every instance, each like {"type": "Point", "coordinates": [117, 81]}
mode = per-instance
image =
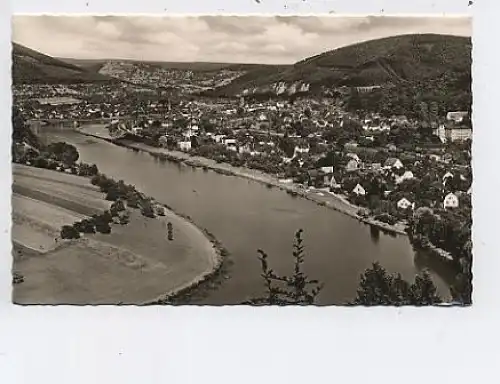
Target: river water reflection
{"type": "Point", "coordinates": [245, 216]}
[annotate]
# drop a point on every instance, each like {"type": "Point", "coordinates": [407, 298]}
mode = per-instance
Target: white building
{"type": "Point", "coordinates": [447, 175]}
{"type": "Point", "coordinates": [353, 156]}
{"type": "Point", "coordinates": [393, 163]}
{"type": "Point", "coordinates": [450, 201]}
{"type": "Point", "coordinates": [408, 175]}
{"type": "Point", "coordinates": [299, 150]}
{"type": "Point", "coordinates": [327, 170]}
{"type": "Point", "coordinates": [184, 145]}
{"type": "Point", "coordinates": [457, 116]}
{"type": "Point", "coordinates": [405, 204]}
{"type": "Point", "coordinates": [359, 190]}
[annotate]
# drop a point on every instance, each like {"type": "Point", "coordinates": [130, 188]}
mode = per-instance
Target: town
{"type": "Point", "coordinates": [389, 166]}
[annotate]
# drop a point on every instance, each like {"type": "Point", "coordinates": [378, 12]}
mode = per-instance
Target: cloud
{"type": "Point", "coordinates": [215, 38]}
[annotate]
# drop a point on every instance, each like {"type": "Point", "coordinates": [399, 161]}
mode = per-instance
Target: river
{"type": "Point", "coordinates": [246, 216]}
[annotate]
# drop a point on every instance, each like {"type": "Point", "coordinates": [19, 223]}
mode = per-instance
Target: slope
{"type": "Point", "coordinates": [32, 67]}
{"type": "Point", "coordinates": [398, 59]}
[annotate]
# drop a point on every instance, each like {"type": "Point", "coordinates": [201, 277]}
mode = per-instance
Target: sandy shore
{"type": "Point", "coordinates": [135, 264]}
{"type": "Point", "coordinates": [322, 197]}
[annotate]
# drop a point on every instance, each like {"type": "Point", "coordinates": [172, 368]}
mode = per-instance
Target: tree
{"type": "Point", "coordinates": [64, 152]}
{"type": "Point", "coordinates": [69, 232]}
{"type": "Point", "coordinates": [85, 226]}
{"type": "Point", "coordinates": [378, 287]}
{"type": "Point", "coordinates": [288, 290]}
{"type": "Point", "coordinates": [21, 131]}
{"type": "Point", "coordinates": [103, 227]}
{"type": "Point", "coordinates": [117, 207]}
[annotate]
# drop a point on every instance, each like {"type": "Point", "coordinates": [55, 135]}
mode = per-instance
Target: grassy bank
{"type": "Point", "coordinates": [134, 264]}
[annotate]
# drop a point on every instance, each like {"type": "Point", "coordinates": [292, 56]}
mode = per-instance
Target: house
{"type": "Point", "coordinates": [457, 116]}
{"type": "Point", "coordinates": [359, 190]}
{"type": "Point", "coordinates": [391, 147]}
{"type": "Point", "coordinates": [458, 133]}
{"type": "Point", "coordinates": [351, 166]}
{"type": "Point", "coordinates": [327, 170]}
{"type": "Point", "coordinates": [244, 149]}
{"type": "Point", "coordinates": [184, 145]}
{"type": "Point", "coordinates": [163, 141]}
{"type": "Point", "coordinates": [405, 176]}
{"type": "Point", "coordinates": [299, 150]}
{"type": "Point", "coordinates": [353, 156]}
{"type": "Point", "coordinates": [333, 183]}
{"type": "Point", "coordinates": [229, 143]}
{"type": "Point", "coordinates": [137, 131]}
{"type": "Point", "coordinates": [404, 203]}
{"type": "Point", "coordinates": [393, 162]}
{"type": "Point", "coordinates": [450, 201]}
{"type": "Point", "coordinates": [446, 177]}
{"type": "Point", "coordinates": [453, 131]}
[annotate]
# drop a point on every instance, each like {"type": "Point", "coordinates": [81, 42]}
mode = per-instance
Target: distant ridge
{"type": "Point", "coordinates": [197, 66]}
{"type": "Point", "coordinates": [403, 59]}
{"type": "Point", "coordinates": [32, 67]}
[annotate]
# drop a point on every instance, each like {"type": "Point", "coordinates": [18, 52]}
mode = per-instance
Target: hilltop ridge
{"type": "Point", "coordinates": [32, 67]}
{"type": "Point", "coordinates": [404, 59]}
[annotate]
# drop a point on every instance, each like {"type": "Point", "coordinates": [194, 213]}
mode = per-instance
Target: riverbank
{"type": "Point", "coordinates": [321, 197]}
{"type": "Point", "coordinates": [134, 264]}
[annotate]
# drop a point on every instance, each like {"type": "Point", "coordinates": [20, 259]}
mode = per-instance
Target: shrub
{"type": "Point", "coordinates": [96, 180]}
{"type": "Point", "coordinates": [132, 199]}
{"type": "Point", "coordinates": [103, 227]}
{"type": "Point", "coordinates": [69, 232]}
{"type": "Point", "coordinates": [40, 162]}
{"type": "Point", "coordinates": [52, 165]}
{"type": "Point", "coordinates": [64, 152]}
{"type": "Point", "coordinates": [147, 209]}
{"type": "Point", "coordinates": [386, 218]}
{"type": "Point", "coordinates": [85, 226]}
{"type": "Point", "coordinates": [117, 207]}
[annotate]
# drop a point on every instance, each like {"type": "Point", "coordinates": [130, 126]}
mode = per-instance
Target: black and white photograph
{"type": "Point", "coordinates": [241, 160]}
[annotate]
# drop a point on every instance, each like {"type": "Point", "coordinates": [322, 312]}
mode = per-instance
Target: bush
{"type": "Point", "coordinates": [147, 209]}
{"type": "Point", "coordinates": [113, 194]}
{"type": "Point", "coordinates": [117, 207]}
{"type": "Point", "coordinates": [85, 226]}
{"type": "Point", "coordinates": [69, 232]}
{"type": "Point", "coordinates": [96, 180]}
{"type": "Point", "coordinates": [103, 227]}
{"type": "Point", "coordinates": [52, 165]}
{"type": "Point", "coordinates": [64, 152]}
{"type": "Point", "coordinates": [40, 162]}
{"type": "Point", "coordinates": [132, 199]}
{"type": "Point", "coordinates": [386, 218]}
{"type": "Point", "coordinates": [87, 170]}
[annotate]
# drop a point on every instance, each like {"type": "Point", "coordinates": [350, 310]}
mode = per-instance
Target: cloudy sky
{"type": "Point", "coordinates": [273, 40]}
